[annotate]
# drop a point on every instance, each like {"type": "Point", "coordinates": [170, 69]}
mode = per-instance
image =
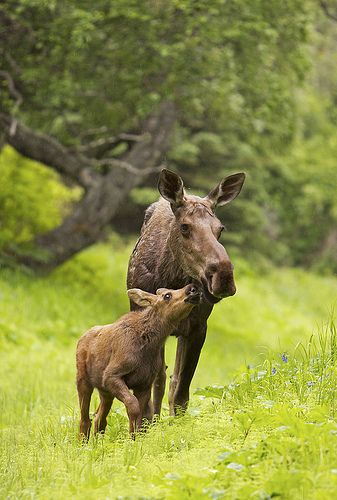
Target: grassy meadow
{"type": "Point", "coordinates": [262, 418]}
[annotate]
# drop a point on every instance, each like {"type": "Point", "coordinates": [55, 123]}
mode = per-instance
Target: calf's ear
{"type": "Point", "coordinates": [171, 187]}
{"type": "Point", "coordinates": [227, 190]}
{"type": "Point", "coordinates": [141, 298]}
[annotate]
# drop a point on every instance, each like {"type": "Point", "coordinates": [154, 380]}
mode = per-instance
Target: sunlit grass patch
{"type": "Point", "coordinates": [262, 423]}
{"type": "Point", "coordinates": [270, 432]}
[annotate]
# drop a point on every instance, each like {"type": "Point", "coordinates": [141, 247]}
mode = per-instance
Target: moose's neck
{"type": "Point", "coordinates": [154, 263]}
{"type": "Point", "coordinates": [170, 269]}
{"type": "Point", "coordinates": [169, 264]}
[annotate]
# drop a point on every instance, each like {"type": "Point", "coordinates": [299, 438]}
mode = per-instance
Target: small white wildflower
{"type": "Point", "coordinates": [235, 466]}
{"type": "Point", "coordinates": [172, 476]}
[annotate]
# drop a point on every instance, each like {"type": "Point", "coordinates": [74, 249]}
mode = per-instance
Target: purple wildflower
{"type": "Point", "coordinates": [273, 371]}
{"type": "Point", "coordinates": [310, 384]}
{"type": "Point", "coordinates": [284, 358]}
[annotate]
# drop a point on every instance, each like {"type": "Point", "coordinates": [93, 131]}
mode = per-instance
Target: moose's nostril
{"type": "Point", "coordinates": [212, 268]}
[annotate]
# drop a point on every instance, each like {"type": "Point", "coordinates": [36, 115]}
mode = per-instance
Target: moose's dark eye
{"type": "Point", "coordinates": [184, 228]}
{"type": "Point", "coordinates": [168, 296]}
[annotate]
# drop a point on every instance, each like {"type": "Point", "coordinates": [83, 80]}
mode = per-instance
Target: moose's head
{"type": "Point", "coordinates": [196, 231]}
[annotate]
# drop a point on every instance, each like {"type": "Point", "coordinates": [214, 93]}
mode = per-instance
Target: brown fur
{"type": "Point", "coordinates": [126, 355]}
{"type": "Point", "coordinates": [165, 255]}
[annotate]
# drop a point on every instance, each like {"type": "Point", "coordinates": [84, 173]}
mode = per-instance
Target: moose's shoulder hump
{"type": "Point", "coordinates": [161, 209]}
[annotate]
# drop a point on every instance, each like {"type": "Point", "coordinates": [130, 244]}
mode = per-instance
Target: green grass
{"type": "Point", "coordinates": [269, 430]}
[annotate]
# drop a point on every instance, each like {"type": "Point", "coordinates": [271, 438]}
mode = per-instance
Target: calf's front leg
{"type": "Point", "coordinates": [143, 397]}
{"type": "Point", "coordinates": [118, 388]}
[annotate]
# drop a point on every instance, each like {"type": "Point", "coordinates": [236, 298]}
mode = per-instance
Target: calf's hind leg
{"type": "Point", "coordinates": [84, 390]}
{"type": "Point", "coordinates": [102, 412]}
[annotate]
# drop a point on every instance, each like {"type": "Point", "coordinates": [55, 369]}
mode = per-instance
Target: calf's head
{"type": "Point", "coordinates": [196, 231]}
{"type": "Point", "coordinates": [171, 305]}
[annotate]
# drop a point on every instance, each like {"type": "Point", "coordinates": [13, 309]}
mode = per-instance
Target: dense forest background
{"type": "Point", "coordinates": [96, 98]}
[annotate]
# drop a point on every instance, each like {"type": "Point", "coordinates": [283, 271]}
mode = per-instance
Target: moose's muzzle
{"type": "Point", "coordinates": [220, 279]}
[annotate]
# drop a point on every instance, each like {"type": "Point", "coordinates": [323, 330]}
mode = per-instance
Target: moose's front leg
{"type": "Point", "coordinates": [187, 357]}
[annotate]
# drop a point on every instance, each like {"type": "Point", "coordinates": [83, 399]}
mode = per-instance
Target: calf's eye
{"type": "Point", "coordinates": [167, 296]}
{"type": "Point", "coordinates": [184, 228]}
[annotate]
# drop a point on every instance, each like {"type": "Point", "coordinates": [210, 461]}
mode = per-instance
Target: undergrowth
{"type": "Point", "coordinates": [262, 423]}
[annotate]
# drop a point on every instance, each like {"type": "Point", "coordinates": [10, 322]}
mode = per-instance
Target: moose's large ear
{"type": "Point", "coordinates": [141, 298]}
{"type": "Point", "coordinates": [227, 190]}
{"type": "Point", "coordinates": [171, 187]}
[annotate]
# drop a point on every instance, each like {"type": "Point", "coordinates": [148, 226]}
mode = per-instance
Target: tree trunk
{"type": "Point", "coordinates": [105, 194]}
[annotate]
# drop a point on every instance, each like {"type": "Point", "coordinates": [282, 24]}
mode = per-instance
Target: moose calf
{"type": "Point", "coordinates": [126, 355]}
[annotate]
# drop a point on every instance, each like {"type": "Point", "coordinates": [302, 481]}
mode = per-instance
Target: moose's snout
{"type": "Point", "coordinates": [220, 279]}
{"type": "Point", "coordinates": [193, 294]}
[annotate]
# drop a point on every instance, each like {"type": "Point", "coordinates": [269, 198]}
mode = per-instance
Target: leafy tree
{"type": "Point", "coordinates": [101, 86]}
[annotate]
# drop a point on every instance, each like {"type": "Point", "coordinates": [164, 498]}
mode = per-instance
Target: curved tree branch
{"type": "Point", "coordinates": [12, 89]}
{"type": "Point", "coordinates": [47, 150]}
{"type": "Point", "coordinates": [87, 223]}
{"type": "Point", "coordinates": [99, 147]}
{"type": "Point", "coordinates": [114, 162]}
{"type": "Point", "coordinates": [326, 9]}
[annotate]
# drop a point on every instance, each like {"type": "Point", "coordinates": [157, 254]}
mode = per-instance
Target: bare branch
{"type": "Point", "coordinates": [133, 137]}
{"type": "Point", "coordinates": [11, 87]}
{"type": "Point", "coordinates": [94, 131]}
{"type": "Point", "coordinates": [326, 9]}
{"type": "Point", "coordinates": [13, 64]}
{"type": "Point", "coordinates": [101, 202]}
{"type": "Point", "coordinates": [98, 147]}
{"type": "Point", "coordinates": [47, 150]}
{"type": "Point", "coordinates": [113, 162]}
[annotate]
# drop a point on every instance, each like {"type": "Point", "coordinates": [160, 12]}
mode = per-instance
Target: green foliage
{"type": "Point", "coordinates": [144, 196]}
{"type": "Point", "coordinates": [114, 61]}
{"type": "Point", "coordinates": [268, 430]}
{"type": "Point", "coordinates": [309, 191]}
{"type": "Point", "coordinates": [254, 85]}
{"type": "Point", "coordinates": [32, 200]}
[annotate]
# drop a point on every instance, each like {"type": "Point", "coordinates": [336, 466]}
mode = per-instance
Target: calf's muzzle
{"type": "Point", "coordinates": [193, 294]}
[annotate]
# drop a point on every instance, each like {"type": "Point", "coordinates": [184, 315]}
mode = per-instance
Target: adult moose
{"type": "Point", "coordinates": [179, 245]}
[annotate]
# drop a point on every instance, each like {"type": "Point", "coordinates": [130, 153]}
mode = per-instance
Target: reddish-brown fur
{"type": "Point", "coordinates": [179, 245]}
{"type": "Point", "coordinates": [126, 355]}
